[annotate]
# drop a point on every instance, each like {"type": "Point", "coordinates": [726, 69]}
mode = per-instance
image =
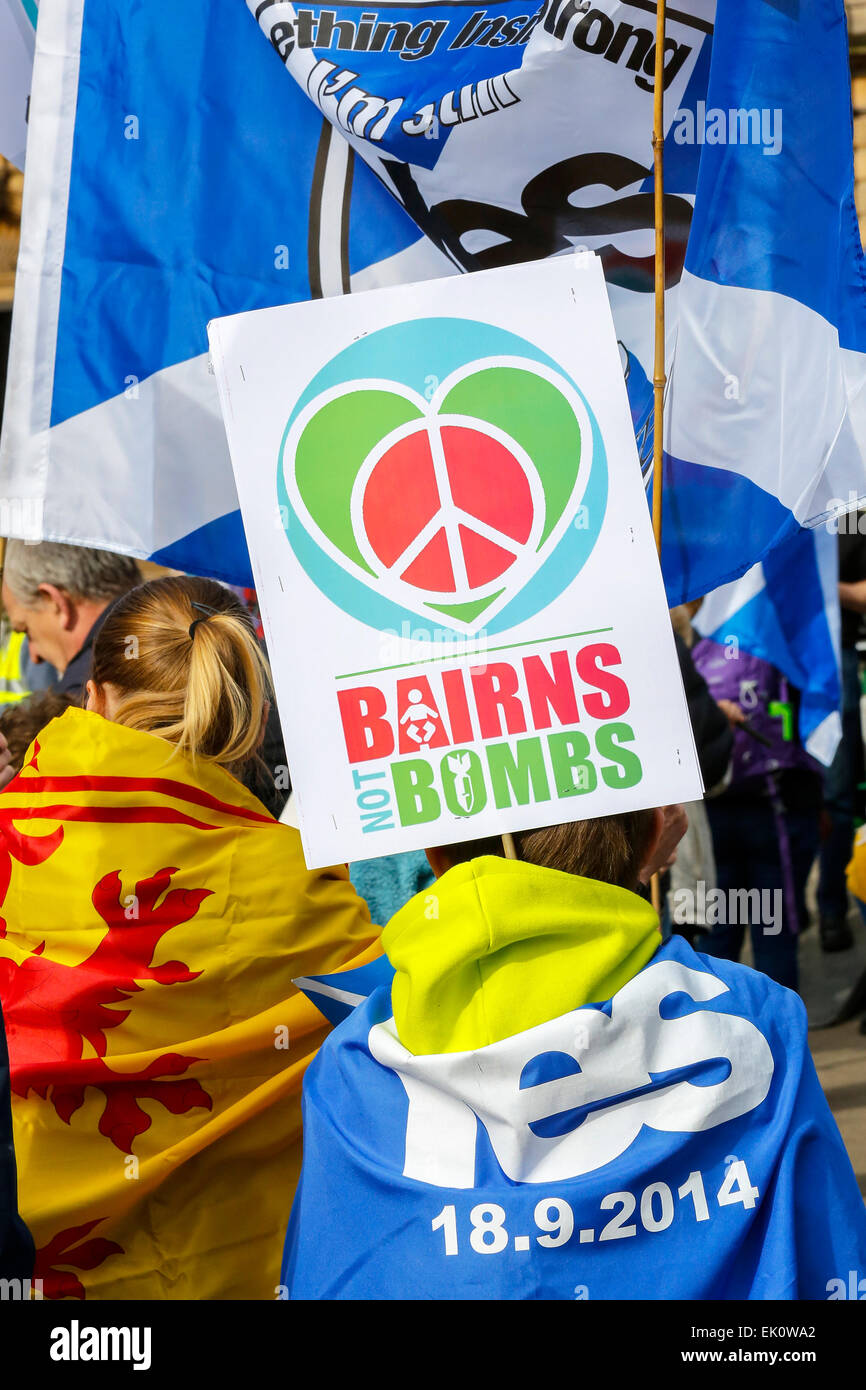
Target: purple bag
{"type": "Point", "coordinates": [763, 693]}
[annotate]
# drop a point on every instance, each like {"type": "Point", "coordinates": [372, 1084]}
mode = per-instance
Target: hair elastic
{"type": "Point", "coordinates": [208, 613]}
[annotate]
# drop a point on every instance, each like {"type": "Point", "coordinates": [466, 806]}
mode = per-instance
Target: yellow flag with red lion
{"type": "Point", "coordinates": [152, 919]}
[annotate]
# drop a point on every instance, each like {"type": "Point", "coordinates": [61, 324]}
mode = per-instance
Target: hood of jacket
{"type": "Point", "coordinates": [497, 946]}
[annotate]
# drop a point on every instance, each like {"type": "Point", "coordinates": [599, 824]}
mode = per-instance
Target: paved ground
{"type": "Point", "coordinates": [826, 983]}
{"type": "Point", "coordinates": [839, 1052]}
{"type": "Point", "coordinates": [840, 1056]}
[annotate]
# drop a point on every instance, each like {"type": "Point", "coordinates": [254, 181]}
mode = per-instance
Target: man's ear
{"type": "Point", "coordinates": [438, 861]}
{"type": "Point", "coordinates": [63, 605]}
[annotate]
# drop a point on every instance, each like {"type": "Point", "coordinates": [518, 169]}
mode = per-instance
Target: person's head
{"type": "Point", "coordinates": [22, 721]}
{"type": "Point", "coordinates": [178, 657]}
{"type": "Point", "coordinates": [56, 592]}
{"type": "Point", "coordinates": [613, 849]}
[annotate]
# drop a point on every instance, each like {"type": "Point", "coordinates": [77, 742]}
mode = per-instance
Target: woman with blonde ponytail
{"type": "Point", "coordinates": [155, 916]}
{"type": "Point", "coordinates": [179, 658]}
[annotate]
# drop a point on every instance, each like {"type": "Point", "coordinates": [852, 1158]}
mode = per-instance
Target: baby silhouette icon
{"type": "Point", "coordinates": [415, 711]}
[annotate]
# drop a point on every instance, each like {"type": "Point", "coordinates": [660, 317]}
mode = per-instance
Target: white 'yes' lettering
{"type": "Point", "coordinates": [617, 1056]}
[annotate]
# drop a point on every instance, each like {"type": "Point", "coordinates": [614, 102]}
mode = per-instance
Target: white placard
{"type": "Point", "coordinates": [454, 559]}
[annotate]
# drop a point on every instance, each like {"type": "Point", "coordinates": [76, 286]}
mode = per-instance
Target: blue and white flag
{"type": "Point", "coordinates": [175, 174]}
{"type": "Point", "coordinates": [511, 132]}
{"type": "Point", "coordinates": [670, 1143]}
{"type": "Point", "coordinates": [765, 423]}
{"type": "Point", "coordinates": [766, 411]}
{"type": "Point", "coordinates": [785, 610]}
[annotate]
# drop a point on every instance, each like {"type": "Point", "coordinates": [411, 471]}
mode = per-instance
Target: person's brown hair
{"type": "Point", "coordinates": [204, 691]}
{"type": "Point", "coordinates": [23, 721]}
{"type": "Point", "coordinates": [609, 848]}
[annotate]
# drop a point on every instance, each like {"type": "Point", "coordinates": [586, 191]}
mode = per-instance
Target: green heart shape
{"type": "Point", "coordinates": [340, 435]}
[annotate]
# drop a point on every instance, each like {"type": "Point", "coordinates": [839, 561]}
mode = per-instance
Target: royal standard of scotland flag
{"type": "Point", "coordinates": [545, 1103]}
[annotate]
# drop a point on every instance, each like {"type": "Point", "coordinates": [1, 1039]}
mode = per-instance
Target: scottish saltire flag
{"type": "Point", "coordinates": [510, 135]}
{"type": "Point", "coordinates": [133, 238]}
{"type": "Point", "coordinates": [152, 918]}
{"type": "Point", "coordinates": [488, 135]}
{"type": "Point", "coordinates": [515, 132]}
{"type": "Point", "coordinates": [173, 174]}
{"type": "Point", "coordinates": [671, 1142]}
{"type": "Point", "coordinates": [765, 424]}
{"type": "Point", "coordinates": [785, 610]}
{"type": "Point", "coordinates": [766, 412]}
{"type": "Point", "coordinates": [336, 996]}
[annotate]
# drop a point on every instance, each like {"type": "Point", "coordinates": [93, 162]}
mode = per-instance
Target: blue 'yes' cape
{"type": "Point", "coordinates": [671, 1143]}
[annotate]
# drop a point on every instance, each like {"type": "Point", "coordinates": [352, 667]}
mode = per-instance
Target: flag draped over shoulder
{"type": "Point", "coordinates": [543, 1102]}
{"type": "Point", "coordinates": [153, 917]}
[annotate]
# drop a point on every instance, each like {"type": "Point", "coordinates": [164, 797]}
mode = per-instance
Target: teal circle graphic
{"type": "Point", "coordinates": [413, 354]}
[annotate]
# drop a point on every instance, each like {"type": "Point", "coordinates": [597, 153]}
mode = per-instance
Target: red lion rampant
{"type": "Point", "coordinates": [51, 1008]}
{"type": "Point", "coordinates": [70, 1248]}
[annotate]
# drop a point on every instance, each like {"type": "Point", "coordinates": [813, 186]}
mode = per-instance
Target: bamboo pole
{"type": "Point", "coordinates": [659, 378]}
{"type": "Point", "coordinates": [656, 894]}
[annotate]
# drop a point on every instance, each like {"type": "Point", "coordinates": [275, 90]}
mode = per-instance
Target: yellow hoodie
{"type": "Point", "coordinates": [498, 946]}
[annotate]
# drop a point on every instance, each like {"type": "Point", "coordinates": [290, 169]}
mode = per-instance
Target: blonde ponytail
{"type": "Point", "coordinates": [183, 658]}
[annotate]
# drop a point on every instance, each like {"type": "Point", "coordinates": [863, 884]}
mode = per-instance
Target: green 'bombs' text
{"type": "Point", "coordinates": [520, 773]}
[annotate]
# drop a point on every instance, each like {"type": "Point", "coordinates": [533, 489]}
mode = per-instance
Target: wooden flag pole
{"type": "Point", "coordinates": [659, 378]}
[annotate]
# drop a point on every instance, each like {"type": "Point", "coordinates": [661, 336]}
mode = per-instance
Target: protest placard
{"type": "Point", "coordinates": [454, 560]}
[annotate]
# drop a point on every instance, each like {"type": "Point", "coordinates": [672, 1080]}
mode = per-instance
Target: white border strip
{"type": "Point", "coordinates": [760, 387]}
{"type": "Point", "coordinates": [24, 448]}
{"type": "Point", "coordinates": [343, 996]}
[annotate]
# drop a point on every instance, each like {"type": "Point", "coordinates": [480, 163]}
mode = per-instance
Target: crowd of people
{"type": "Point", "coordinates": [154, 1081]}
